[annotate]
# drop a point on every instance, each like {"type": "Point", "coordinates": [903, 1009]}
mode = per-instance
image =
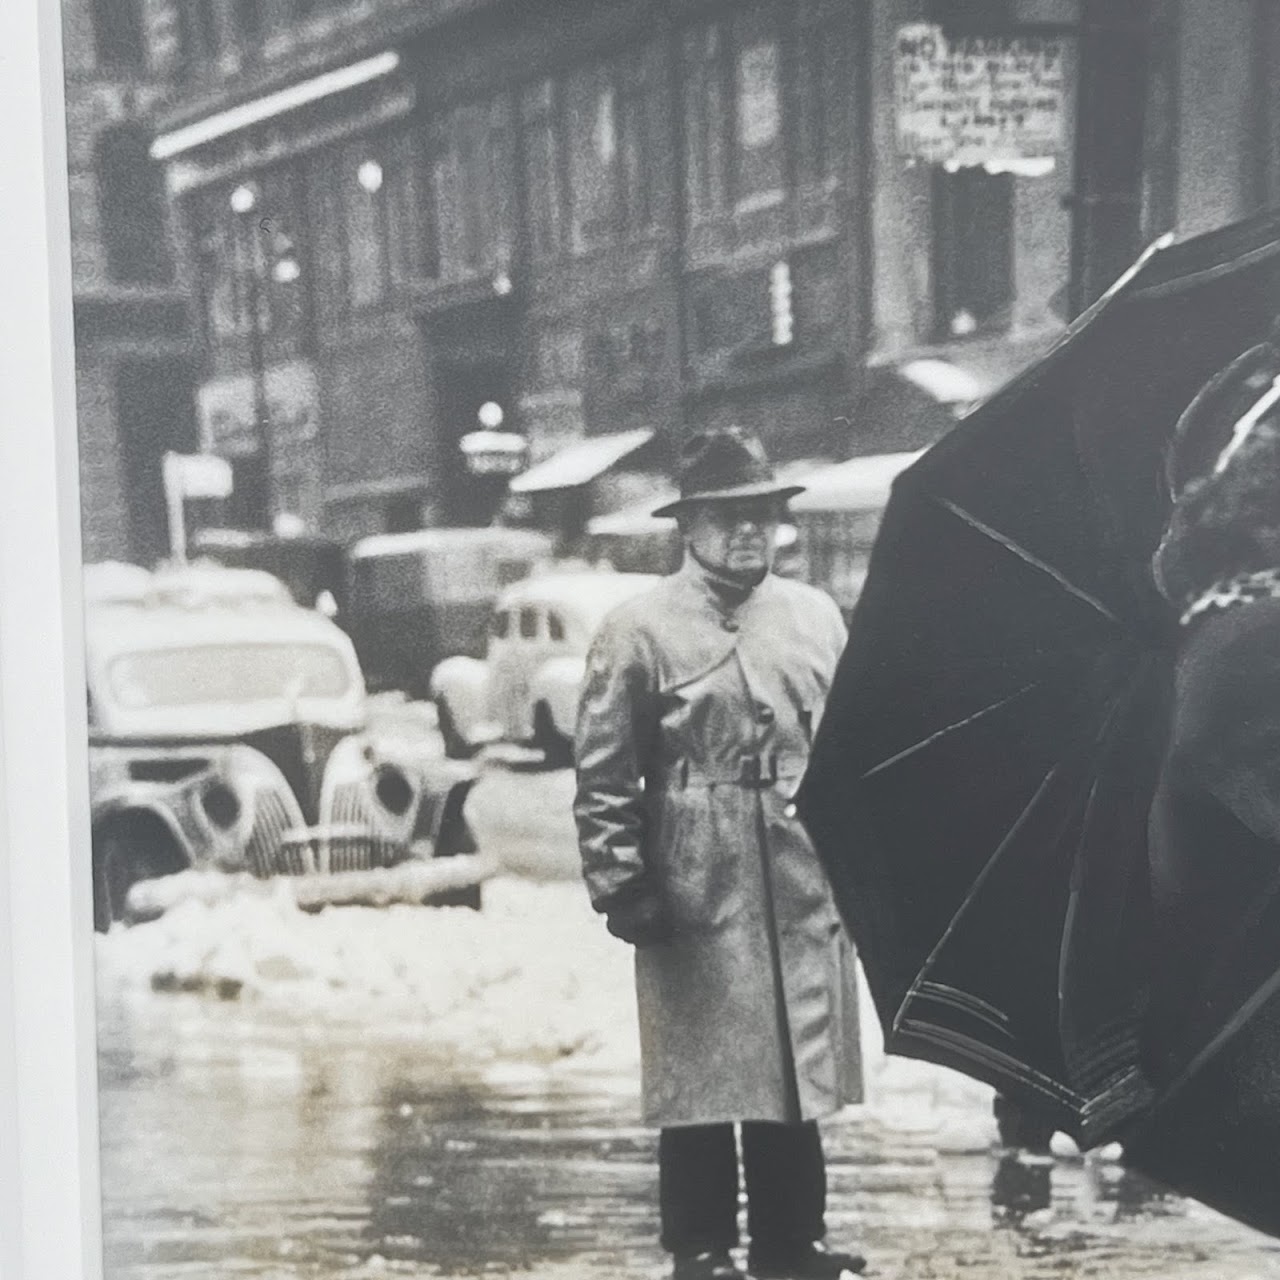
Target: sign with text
{"type": "Point", "coordinates": [996, 101]}
{"type": "Point", "coordinates": [227, 412]}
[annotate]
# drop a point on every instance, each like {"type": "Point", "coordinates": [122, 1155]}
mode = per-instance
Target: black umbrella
{"type": "Point", "coordinates": [980, 785]}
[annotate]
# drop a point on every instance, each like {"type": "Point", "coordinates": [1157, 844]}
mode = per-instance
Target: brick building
{"type": "Point", "coordinates": [601, 215]}
{"type": "Point", "coordinates": [135, 357]}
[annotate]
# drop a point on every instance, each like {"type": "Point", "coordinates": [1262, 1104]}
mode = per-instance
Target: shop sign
{"type": "Point", "coordinates": [227, 411]}
{"type": "Point", "coordinates": [995, 101]}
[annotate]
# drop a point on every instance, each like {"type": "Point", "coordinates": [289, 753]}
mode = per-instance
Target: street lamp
{"type": "Point", "coordinates": [244, 203]}
{"type": "Point", "coordinates": [282, 263]}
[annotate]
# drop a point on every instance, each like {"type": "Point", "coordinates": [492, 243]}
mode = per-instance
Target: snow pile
{"type": "Point", "coordinates": [533, 980]}
{"type": "Point", "coordinates": [533, 977]}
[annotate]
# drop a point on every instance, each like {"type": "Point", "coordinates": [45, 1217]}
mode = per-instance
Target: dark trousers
{"type": "Point", "coordinates": [786, 1179]}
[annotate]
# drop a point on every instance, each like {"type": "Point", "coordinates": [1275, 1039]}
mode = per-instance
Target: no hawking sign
{"type": "Point", "coordinates": [995, 101]}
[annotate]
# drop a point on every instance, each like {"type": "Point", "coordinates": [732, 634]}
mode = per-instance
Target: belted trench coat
{"type": "Point", "coordinates": [694, 727]}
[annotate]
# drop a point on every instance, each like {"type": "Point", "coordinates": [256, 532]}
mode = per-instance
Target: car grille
{"type": "Point", "coordinates": [359, 846]}
{"type": "Point", "coordinates": [266, 851]}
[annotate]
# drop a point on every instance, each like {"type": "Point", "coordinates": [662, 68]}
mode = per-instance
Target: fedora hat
{"type": "Point", "coordinates": [723, 463]}
{"type": "Point", "coordinates": [1220, 418]}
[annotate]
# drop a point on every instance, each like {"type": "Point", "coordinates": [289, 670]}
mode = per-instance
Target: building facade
{"type": "Point", "coordinates": [135, 354]}
{"type": "Point", "coordinates": [581, 217]}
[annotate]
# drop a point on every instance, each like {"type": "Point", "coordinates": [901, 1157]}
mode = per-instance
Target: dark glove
{"type": "Point", "coordinates": [639, 919]}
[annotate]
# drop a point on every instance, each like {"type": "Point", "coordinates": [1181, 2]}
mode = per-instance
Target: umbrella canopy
{"type": "Point", "coordinates": [980, 785]}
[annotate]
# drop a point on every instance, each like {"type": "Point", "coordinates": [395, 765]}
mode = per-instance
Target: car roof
{"type": "Point", "coordinates": [592, 593]}
{"type": "Point", "coordinates": [416, 541]}
{"type": "Point", "coordinates": [130, 609]}
{"type": "Point", "coordinates": [120, 628]}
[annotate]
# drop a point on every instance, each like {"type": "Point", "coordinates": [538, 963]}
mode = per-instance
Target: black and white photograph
{"type": "Point", "coordinates": [680, 605]}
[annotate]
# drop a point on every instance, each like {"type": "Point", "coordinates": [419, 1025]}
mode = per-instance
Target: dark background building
{"type": "Point", "coordinates": [600, 215]}
{"type": "Point", "coordinates": [135, 356]}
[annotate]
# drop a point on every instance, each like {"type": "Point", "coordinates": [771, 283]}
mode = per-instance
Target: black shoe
{"type": "Point", "coordinates": [812, 1262]}
{"type": "Point", "coordinates": [707, 1266]}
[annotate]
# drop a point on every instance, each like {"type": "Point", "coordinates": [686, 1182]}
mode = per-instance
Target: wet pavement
{"type": "Point", "coordinates": [276, 1140]}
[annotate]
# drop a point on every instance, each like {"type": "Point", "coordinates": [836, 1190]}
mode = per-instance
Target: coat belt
{"type": "Point", "coordinates": [755, 770]}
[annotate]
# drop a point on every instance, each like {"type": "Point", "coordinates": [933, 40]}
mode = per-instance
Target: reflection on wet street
{"type": "Point", "coordinates": [241, 1146]}
{"type": "Point", "coordinates": [454, 1094]}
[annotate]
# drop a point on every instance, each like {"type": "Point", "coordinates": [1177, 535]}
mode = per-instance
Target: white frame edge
{"type": "Point", "coordinates": [50, 1215]}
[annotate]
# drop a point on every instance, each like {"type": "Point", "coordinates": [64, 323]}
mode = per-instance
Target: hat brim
{"type": "Point", "coordinates": [761, 489]}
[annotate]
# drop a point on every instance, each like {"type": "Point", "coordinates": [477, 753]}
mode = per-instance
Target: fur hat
{"type": "Point", "coordinates": [1222, 469]}
{"type": "Point", "coordinates": [723, 463]}
{"type": "Point", "coordinates": [1217, 423]}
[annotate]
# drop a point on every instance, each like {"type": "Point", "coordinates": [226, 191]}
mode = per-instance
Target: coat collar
{"type": "Point", "coordinates": [727, 611]}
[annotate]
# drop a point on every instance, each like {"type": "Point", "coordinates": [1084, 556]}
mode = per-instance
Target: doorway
{"type": "Point", "coordinates": [463, 389]}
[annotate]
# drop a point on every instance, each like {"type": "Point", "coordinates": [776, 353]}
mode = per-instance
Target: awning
{"type": "Point", "coordinates": [580, 462]}
{"type": "Point", "coordinates": [295, 96]}
{"type": "Point", "coordinates": [636, 521]}
{"type": "Point", "coordinates": [859, 484]}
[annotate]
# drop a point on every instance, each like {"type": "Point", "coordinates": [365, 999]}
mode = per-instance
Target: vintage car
{"type": "Point", "coordinates": [525, 689]}
{"type": "Point", "coordinates": [229, 734]}
{"type": "Point", "coordinates": [416, 598]}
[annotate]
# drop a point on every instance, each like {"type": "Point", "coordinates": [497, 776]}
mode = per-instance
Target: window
{"type": "Point", "coordinates": [132, 209]}
{"type": "Point", "coordinates": [411, 238]}
{"type": "Point", "coordinates": [117, 34]}
{"type": "Point", "coordinates": [762, 106]}
{"type": "Point", "coordinates": [501, 626]}
{"type": "Point", "coordinates": [588, 145]}
{"type": "Point", "coordinates": [215, 263]}
{"type": "Point", "coordinates": [471, 181]}
{"type": "Point", "coordinates": [555, 627]}
{"type": "Point", "coordinates": [238, 259]}
{"type": "Point", "coordinates": [544, 174]}
{"type": "Point", "coordinates": [528, 624]}
{"type": "Point", "coordinates": [758, 159]}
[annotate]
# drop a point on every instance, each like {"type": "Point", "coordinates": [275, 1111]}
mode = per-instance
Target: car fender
{"type": "Point", "coordinates": [558, 683]}
{"type": "Point", "coordinates": [462, 683]}
{"type": "Point", "coordinates": [121, 808]}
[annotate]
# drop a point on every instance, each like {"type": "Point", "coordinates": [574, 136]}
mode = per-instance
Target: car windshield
{"type": "Point", "coordinates": [226, 673]}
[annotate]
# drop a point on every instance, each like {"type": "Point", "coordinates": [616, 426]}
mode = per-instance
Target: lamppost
{"type": "Point", "coordinates": [283, 266]}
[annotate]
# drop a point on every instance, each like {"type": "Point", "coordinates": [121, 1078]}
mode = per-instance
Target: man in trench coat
{"type": "Point", "coordinates": [699, 705]}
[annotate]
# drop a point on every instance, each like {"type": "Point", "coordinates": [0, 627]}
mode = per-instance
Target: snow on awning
{"type": "Point", "coordinates": [859, 484]}
{"type": "Point", "coordinates": [580, 462]}
{"type": "Point", "coordinates": [947, 383]}
{"type": "Point", "coordinates": [635, 521]}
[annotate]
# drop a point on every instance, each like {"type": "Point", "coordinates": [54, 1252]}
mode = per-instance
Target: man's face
{"type": "Point", "coordinates": [735, 536]}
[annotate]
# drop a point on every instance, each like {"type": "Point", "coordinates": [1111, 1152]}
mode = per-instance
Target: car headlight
{"type": "Point", "coordinates": [393, 789]}
{"type": "Point", "coordinates": [221, 806]}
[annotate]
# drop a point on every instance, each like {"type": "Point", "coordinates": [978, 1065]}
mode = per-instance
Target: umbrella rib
{"type": "Point", "coordinates": [983, 876]}
{"type": "Point", "coordinates": [925, 743]}
{"type": "Point", "coordinates": [1023, 554]}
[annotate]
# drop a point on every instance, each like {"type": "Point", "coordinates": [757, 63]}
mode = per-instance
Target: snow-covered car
{"type": "Point", "coordinates": [228, 733]}
{"type": "Point", "coordinates": [525, 689]}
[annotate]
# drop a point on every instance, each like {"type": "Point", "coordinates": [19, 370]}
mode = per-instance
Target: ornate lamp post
{"type": "Point", "coordinates": [282, 263]}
